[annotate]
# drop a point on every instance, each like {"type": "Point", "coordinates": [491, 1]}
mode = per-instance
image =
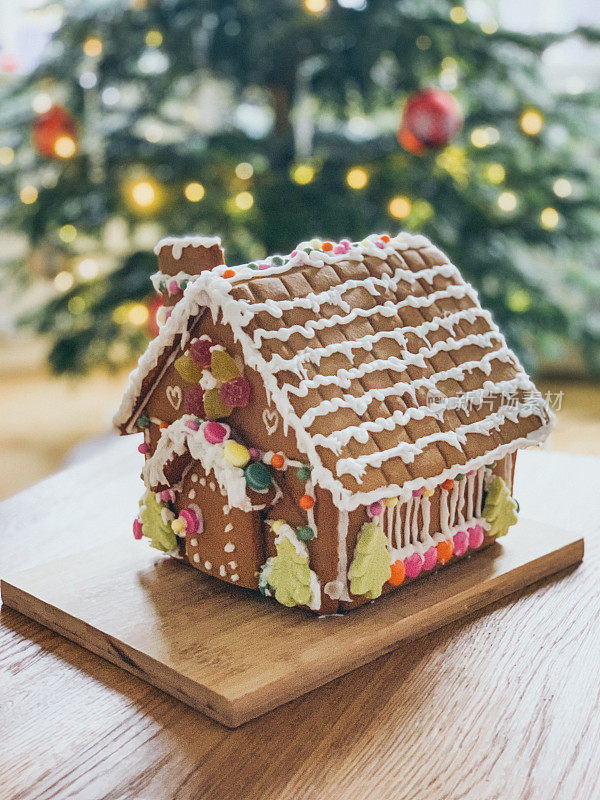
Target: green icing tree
{"type": "Point", "coordinates": [370, 567]}
{"type": "Point", "coordinates": [500, 508]}
{"type": "Point", "coordinates": [289, 574]}
{"type": "Point", "coordinates": [160, 534]}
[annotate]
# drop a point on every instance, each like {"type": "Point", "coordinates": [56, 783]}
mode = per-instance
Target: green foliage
{"type": "Point", "coordinates": [289, 573]}
{"type": "Point", "coordinates": [370, 567]}
{"type": "Point", "coordinates": [160, 534]}
{"type": "Point", "coordinates": [273, 57]}
{"type": "Point", "coordinates": [500, 508]}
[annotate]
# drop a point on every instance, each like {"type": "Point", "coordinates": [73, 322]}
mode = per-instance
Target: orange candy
{"type": "Point", "coordinates": [444, 551]}
{"type": "Point", "coordinates": [229, 273]}
{"type": "Point", "coordinates": [327, 246]}
{"type": "Point", "coordinates": [398, 573]}
{"type": "Point", "coordinates": [385, 238]}
{"type": "Point", "coordinates": [163, 425]}
{"type": "Point", "coordinates": [306, 502]}
{"type": "Point", "coordinates": [448, 484]}
{"type": "Point", "coordinates": [277, 460]}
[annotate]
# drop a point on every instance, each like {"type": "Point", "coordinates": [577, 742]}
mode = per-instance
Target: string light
{"type": "Point", "coordinates": [76, 305]}
{"type": "Point", "coordinates": [489, 26]}
{"type": "Point", "coordinates": [507, 201]}
{"type": "Point", "coordinates": [194, 192]}
{"type": "Point", "coordinates": [453, 159]}
{"type": "Point", "coordinates": [400, 207]}
{"type": "Point", "coordinates": [92, 47]}
{"type": "Point", "coordinates": [138, 314]}
{"type": "Point", "coordinates": [244, 171]}
{"type": "Point", "coordinates": [357, 178]}
{"type": "Point", "coordinates": [88, 268]}
{"type": "Point", "coordinates": [143, 193]}
{"type": "Point", "coordinates": [562, 187]}
{"type": "Point", "coordinates": [303, 174]}
{"type": "Point", "coordinates": [532, 122]}
{"type": "Point", "coordinates": [519, 301]}
{"type": "Point", "coordinates": [65, 146]}
{"type": "Point", "coordinates": [316, 6]}
{"type": "Point", "coordinates": [458, 15]}
{"type": "Point", "coordinates": [28, 195]}
{"type": "Point", "coordinates": [549, 218]}
{"type": "Point", "coordinates": [482, 137]}
{"type": "Point", "coordinates": [67, 233]}
{"type": "Point", "coordinates": [7, 155]}
{"type": "Point", "coordinates": [63, 281]}
{"type": "Point", "coordinates": [244, 201]}
{"type": "Point", "coordinates": [41, 102]}
{"type": "Point", "coordinates": [495, 173]}
{"type": "Point", "coordinates": [154, 38]}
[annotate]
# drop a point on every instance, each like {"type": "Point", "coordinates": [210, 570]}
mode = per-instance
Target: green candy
{"type": "Point", "coordinates": [303, 473]}
{"type": "Point", "coordinates": [143, 422]}
{"type": "Point", "coordinates": [257, 476]}
{"type": "Point", "coordinates": [305, 533]}
{"type": "Point", "coordinates": [253, 266]}
{"type": "Point", "coordinates": [459, 477]}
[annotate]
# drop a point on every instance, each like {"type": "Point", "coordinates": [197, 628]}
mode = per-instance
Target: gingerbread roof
{"type": "Point", "coordinates": [378, 356]}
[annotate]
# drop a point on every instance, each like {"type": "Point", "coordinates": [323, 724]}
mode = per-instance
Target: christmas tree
{"type": "Point", "coordinates": [271, 121]}
{"type": "Point", "coordinates": [288, 573]}
{"type": "Point", "coordinates": [154, 526]}
{"type": "Point", "coordinates": [370, 567]}
{"type": "Point", "coordinates": [500, 509]}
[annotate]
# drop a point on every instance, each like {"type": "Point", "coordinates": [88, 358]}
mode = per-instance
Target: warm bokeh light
{"type": "Point", "coordinates": [303, 174]}
{"type": "Point", "coordinates": [65, 147]}
{"type": "Point", "coordinates": [7, 155]}
{"type": "Point", "coordinates": [63, 281]}
{"type": "Point", "coordinates": [67, 233]}
{"type": "Point", "coordinates": [532, 122]}
{"type": "Point", "coordinates": [316, 6]}
{"type": "Point", "coordinates": [244, 170]}
{"type": "Point", "coordinates": [562, 187]}
{"type": "Point", "coordinates": [479, 137]}
{"type": "Point", "coordinates": [458, 15]}
{"type": "Point", "coordinates": [489, 26]}
{"type": "Point", "coordinates": [519, 301]}
{"type": "Point", "coordinates": [400, 207]}
{"type": "Point", "coordinates": [495, 173]}
{"type": "Point", "coordinates": [143, 193]}
{"type": "Point", "coordinates": [88, 268]}
{"type": "Point", "coordinates": [92, 47]}
{"type": "Point", "coordinates": [138, 314]}
{"type": "Point", "coordinates": [154, 38]}
{"type": "Point", "coordinates": [76, 305]}
{"type": "Point", "coordinates": [28, 195]}
{"type": "Point", "coordinates": [423, 42]}
{"type": "Point", "coordinates": [41, 102]}
{"type": "Point", "coordinates": [549, 218]}
{"type": "Point", "coordinates": [507, 201]}
{"type": "Point", "coordinates": [194, 192]}
{"type": "Point", "coordinates": [244, 201]}
{"type": "Point", "coordinates": [357, 178]}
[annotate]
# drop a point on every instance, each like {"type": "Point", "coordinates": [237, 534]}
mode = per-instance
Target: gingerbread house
{"type": "Point", "coordinates": [328, 425]}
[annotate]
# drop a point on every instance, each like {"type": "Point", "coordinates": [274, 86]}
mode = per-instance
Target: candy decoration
{"type": "Point", "coordinates": [215, 432]}
{"type": "Point", "coordinates": [257, 476]}
{"type": "Point", "coordinates": [143, 422]}
{"type": "Point", "coordinates": [137, 528]}
{"type": "Point", "coordinates": [192, 425]}
{"type": "Point", "coordinates": [188, 369]}
{"type": "Point", "coordinates": [305, 533]}
{"type": "Point", "coordinates": [444, 551]}
{"type": "Point", "coordinates": [277, 524]}
{"type": "Point", "coordinates": [213, 407]}
{"type": "Point", "coordinates": [428, 493]}
{"type": "Point", "coordinates": [193, 401]}
{"type": "Point", "coordinates": [461, 543]}
{"type": "Point", "coordinates": [236, 393]}
{"type": "Point", "coordinates": [448, 485]}
{"type": "Point", "coordinates": [255, 455]}
{"type": "Point", "coordinates": [277, 460]}
{"type": "Point", "coordinates": [222, 366]}
{"type": "Point", "coordinates": [430, 557]}
{"type": "Point", "coordinates": [398, 573]}
{"type": "Point", "coordinates": [192, 522]}
{"type": "Point", "coordinates": [459, 477]}
{"type": "Point", "coordinates": [417, 492]}
{"type": "Point", "coordinates": [375, 509]}
{"type": "Point", "coordinates": [174, 288]}
{"type": "Point", "coordinates": [236, 454]}
{"type": "Point", "coordinates": [475, 537]}
{"type": "Point", "coordinates": [431, 118]}
{"type": "Point", "coordinates": [390, 502]}
{"type": "Point", "coordinates": [144, 448]}
{"type": "Point", "coordinates": [200, 352]}
{"type": "Point", "coordinates": [165, 496]}
{"type": "Point", "coordinates": [303, 474]}
{"type": "Point", "coordinates": [306, 502]}
{"type": "Point", "coordinates": [229, 273]}
{"type": "Point", "coordinates": [178, 526]}
{"type": "Point", "coordinates": [413, 565]}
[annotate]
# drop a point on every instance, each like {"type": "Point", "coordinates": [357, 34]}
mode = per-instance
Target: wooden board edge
{"type": "Point", "coordinates": [199, 697]}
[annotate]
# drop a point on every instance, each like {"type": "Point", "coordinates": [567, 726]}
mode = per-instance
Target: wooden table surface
{"type": "Point", "coordinates": [504, 704]}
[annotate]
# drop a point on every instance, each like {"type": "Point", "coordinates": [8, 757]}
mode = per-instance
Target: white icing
{"type": "Point", "coordinates": [339, 587]}
{"type": "Point", "coordinates": [161, 277]}
{"type": "Point", "coordinates": [179, 243]}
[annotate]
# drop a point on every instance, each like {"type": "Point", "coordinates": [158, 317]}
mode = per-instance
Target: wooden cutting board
{"type": "Point", "coordinates": [229, 652]}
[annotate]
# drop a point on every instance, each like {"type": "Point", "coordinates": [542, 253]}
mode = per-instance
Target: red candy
{"type": "Point", "coordinates": [144, 448]}
{"type": "Point", "coordinates": [236, 393]}
{"type": "Point", "coordinates": [194, 401]}
{"type": "Point", "coordinates": [137, 528]}
{"type": "Point", "coordinates": [200, 352]}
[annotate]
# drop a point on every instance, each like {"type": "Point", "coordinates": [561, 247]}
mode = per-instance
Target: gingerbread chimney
{"type": "Point", "coordinates": [180, 260]}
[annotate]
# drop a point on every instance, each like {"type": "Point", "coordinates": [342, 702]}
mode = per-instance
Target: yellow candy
{"type": "Point", "coordinates": [316, 243]}
{"type": "Point", "coordinates": [222, 366]}
{"type": "Point", "coordinates": [236, 453]}
{"type": "Point", "coordinates": [427, 492]}
{"type": "Point", "coordinates": [213, 407]}
{"type": "Point", "coordinates": [391, 502]}
{"type": "Point", "coordinates": [188, 369]}
{"type": "Point", "coordinates": [178, 525]}
{"type": "Point", "coordinates": [276, 525]}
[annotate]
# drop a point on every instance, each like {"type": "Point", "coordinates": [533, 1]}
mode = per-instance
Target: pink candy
{"type": "Point", "coordinates": [192, 424]}
{"type": "Point", "coordinates": [215, 432]}
{"type": "Point", "coordinates": [164, 496]}
{"type": "Point", "coordinates": [137, 528]}
{"type": "Point", "coordinates": [174, 287]}
{"type": "Point", "coordinates": [375, 509]}
{"type": "Point", "coordinates": [417, 492]}
{"type": "Point", "coordinates": [430, 559]}
{"type": "Point", "coordinates": [475, 537]}
{"type": "Point", "coordinates": [255, 454]}
{"type": "Point", "coordinates": [144, 448]}
{"type": "Point", "coordinates": [461, 543]}
{"type": "Point", "coordinates": [192, 523]}
{"type": "Point", "coordinates": [413, 565]}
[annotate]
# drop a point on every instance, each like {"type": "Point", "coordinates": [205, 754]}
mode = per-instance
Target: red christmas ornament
{"type": "Point", "coordinates": [431, 118]}
{"type": "Point", "coordinates": [48, 128]}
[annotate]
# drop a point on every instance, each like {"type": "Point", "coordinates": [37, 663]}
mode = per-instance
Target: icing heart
{"type": "Point", "coordinates": [271, 420]}
{"type": "Point", "coordinates": [174, 396]}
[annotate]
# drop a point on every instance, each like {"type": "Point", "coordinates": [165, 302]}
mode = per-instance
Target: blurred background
{"type": "Point", "coordinates": [269, 122]}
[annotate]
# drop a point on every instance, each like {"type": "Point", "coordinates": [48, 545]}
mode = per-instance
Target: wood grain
{"type": "Point", "coordinates": [502, 705]}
